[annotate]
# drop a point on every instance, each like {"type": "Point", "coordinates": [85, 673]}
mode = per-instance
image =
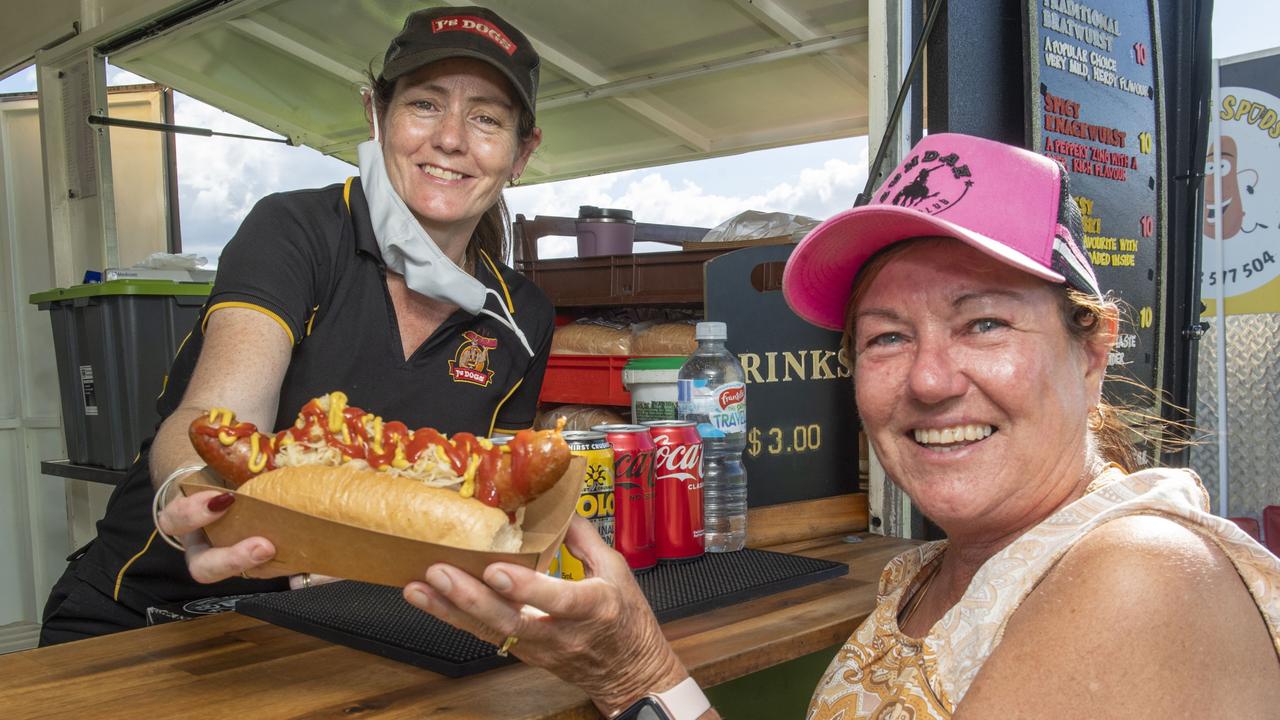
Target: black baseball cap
{"type": "Point", "coordinates": [472, 32]}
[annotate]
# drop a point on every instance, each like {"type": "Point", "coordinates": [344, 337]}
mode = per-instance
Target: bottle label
{"type": "Point", "coordinates": [719, 410]}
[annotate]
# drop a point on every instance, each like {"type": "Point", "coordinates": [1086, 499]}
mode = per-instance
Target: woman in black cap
{"type": "Point", "coordinates": [381, 287]}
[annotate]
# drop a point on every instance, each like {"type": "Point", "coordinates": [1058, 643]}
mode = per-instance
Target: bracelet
{"type": "Point", "coordinates": [158, 502]}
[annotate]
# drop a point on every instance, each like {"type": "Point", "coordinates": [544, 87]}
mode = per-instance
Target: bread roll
{"type": "Point", "coordinates": [577, 417]}
{"type": "Point", "coordinates": [676, 338]}
{"type": "Point", "coordinates": [591, 338]}
{"type": "Point", "coordinates": [389, 504]}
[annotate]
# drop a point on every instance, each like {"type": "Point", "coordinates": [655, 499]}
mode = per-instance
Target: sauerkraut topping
{"type": "Point", "coordinates": [329, 432]}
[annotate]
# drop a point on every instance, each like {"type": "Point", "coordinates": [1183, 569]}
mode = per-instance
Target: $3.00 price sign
{"type": "Point", "coordinates": [776, 441]}
{"type": "Point", "coordinates": [801, 427]}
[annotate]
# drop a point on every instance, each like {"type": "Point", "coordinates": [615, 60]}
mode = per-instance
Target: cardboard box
{"type": "Point", "coordinates": [307, 543]}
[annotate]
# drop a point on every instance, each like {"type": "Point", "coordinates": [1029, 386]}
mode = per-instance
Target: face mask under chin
{"type": "Point", "coordinates": [408, 250]}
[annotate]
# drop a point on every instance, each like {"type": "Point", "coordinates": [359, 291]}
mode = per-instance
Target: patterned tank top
{"type": "Point", "coordinates": [881, 673]}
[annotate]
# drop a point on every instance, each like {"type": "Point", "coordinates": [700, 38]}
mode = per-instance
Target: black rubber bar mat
{"type": "Point", "coordinates": [376, 619]}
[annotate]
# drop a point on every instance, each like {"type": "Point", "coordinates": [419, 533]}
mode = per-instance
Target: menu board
{"type": "Point", "coordinates": [1095, 104]}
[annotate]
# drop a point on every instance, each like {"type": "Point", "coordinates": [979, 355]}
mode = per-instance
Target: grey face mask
{"type": "Point", "coordinates": [409, 250]}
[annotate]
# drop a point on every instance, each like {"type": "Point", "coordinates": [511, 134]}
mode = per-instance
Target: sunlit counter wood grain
{"type": "Point", "coordinates": [234, 666]}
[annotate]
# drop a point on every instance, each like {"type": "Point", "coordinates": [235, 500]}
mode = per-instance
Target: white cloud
{"type": "Point", "coordinates": [662, 196]}
{"type": "Point", "coordinates": [563, 198]}
{"type": "Point", "coordinates": [220, 179]}
{"type": "Point", "coordinates": [117, 76]}
{"type": "Point", "coordinates": [20, 82]}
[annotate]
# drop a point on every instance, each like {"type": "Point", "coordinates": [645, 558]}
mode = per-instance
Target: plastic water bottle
{"type": "Point", "coordinates": [711, 393]}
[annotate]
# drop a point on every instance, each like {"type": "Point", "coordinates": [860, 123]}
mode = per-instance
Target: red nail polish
{"type": "Point", "coordinates": [221, 502]}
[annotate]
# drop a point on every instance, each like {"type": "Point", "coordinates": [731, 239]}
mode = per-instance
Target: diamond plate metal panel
{"type": "Point", "coordinates": [1253, 413]}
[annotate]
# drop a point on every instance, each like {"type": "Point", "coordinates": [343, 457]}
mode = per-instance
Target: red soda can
{"type": "Point", "coordinates": [633, 493]}
{"type": "Point", "coordinates": [677, 472]}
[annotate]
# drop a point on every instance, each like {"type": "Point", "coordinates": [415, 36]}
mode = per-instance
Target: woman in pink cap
{"type": "Point", "coordinates": [1073, 583]}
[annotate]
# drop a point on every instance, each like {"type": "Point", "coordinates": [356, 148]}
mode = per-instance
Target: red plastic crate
{"type": "Point", "coordinates": [1249, 525]}
{"type": "Point", "coordinates": [1271, 527]}
{"type": "Point", "coordinates": [585, 380]}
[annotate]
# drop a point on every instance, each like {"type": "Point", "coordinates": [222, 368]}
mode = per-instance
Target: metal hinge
{"type": "Point", "coordinates": [1196, 331]}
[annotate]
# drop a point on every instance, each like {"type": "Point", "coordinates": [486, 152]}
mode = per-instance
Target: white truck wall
{"type": "Point", "coordinates": [139, 176]}
{"type": "Point", "coordinates": [43, 518]}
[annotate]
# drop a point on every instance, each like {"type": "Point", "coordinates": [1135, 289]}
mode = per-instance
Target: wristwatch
{"type": "Point", "coordinates": [682, 702]}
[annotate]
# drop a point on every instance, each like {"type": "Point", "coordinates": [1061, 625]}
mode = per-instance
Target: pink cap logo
{"type": "Point", "coordinates": [928, 182]}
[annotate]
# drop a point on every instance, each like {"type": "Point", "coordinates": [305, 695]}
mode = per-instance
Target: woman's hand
{"type": "Point", "coordinates": [222, 378]}
{"type": "Point", "coordinates": [184, 517]}
{"type": "Point", "coordinates": [598, 633]}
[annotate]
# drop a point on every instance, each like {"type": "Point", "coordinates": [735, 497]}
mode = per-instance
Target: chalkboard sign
{"type": "Point", "coordinates": [1095, 104]}
{"type": "Point", "coordinates": [801, 430]}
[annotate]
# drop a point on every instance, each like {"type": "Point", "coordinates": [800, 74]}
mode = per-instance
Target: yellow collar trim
{"type": "Point", "coordinates": [484, 256]}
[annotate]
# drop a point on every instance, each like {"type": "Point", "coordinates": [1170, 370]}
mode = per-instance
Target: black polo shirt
{"type": "Point", "coordinates": [315, 268]}
{"type": "Point", "coordinates": [309, 260]}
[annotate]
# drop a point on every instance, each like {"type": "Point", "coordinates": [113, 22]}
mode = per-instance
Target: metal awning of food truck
{"type": "Point", "coordinates": [624, 84]}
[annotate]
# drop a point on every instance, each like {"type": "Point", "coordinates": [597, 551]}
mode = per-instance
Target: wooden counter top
{"type": "Point", "coordinates": [234, 666]}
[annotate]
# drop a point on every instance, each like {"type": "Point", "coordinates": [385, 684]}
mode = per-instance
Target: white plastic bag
{"type": "Point", "coordinates": [756, 225]}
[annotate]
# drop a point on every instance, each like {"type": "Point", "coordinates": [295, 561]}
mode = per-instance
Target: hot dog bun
{"type": "Point", "coordinates": [389, 504]}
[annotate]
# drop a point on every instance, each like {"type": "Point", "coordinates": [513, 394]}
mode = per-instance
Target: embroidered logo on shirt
{"type": "Point", "coordinates": [470, 364]}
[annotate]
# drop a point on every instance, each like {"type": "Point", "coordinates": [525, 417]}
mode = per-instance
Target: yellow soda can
{"type": "Point", "coordinates": [595, 503]}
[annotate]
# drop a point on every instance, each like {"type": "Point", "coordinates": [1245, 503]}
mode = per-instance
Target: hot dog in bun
{"type": "Point", "coordinates": [342, 463]}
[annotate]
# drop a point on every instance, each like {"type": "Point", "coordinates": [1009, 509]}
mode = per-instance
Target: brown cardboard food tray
{"type": "Point", "coordinates": [307, 543]}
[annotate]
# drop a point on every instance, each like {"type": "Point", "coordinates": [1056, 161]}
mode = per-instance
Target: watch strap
{"type": "Point", "coordinates": [685, 701]}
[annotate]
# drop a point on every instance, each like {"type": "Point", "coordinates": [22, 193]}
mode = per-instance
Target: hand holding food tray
{"type": "Point", "coordinates": [372, 511]}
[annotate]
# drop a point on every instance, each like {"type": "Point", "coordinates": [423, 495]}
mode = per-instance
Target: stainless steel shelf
{"type": "Point", "coordinates": [91, 473]}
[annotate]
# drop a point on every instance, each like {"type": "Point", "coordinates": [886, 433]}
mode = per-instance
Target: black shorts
{"type": "Point", "coordinates": [77, 610]}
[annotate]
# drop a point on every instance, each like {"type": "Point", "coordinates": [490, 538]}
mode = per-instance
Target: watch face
{"type": "Point", "coordinates": [645, 709]}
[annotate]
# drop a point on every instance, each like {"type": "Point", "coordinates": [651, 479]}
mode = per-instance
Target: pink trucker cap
{"type": "Point", "coordinates": [1010, 203]}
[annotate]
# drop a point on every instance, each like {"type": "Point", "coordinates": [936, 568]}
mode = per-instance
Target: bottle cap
{"type": "Point", "coordinates": [710, 331]}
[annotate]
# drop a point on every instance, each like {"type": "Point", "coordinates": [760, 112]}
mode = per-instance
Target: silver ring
{"type": "Point", "coordinates": [158, 502]}
{"type": "Point", "coordinates": [306, 581]}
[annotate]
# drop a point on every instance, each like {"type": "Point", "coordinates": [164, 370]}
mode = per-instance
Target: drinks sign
{"type": "Point", "coordinates": [1095, 105]}
{"type": "Point", "coordinates": [801, 433]}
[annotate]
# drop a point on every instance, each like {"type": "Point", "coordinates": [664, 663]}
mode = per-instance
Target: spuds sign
{"type": "Point", "coordinates": [1242, 190]}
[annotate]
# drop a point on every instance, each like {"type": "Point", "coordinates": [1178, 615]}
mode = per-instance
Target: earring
{"type": "Point", "coordinates": [515, 180]}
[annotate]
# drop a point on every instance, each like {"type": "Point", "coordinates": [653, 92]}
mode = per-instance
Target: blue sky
{"type": "Point", "coordinates": [219, 179]}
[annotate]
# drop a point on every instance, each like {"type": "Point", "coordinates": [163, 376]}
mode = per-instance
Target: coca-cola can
{"type": "Point", "coordinates": [677, 471]}
{"type": "Point", "coordinates": [633, 493]}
